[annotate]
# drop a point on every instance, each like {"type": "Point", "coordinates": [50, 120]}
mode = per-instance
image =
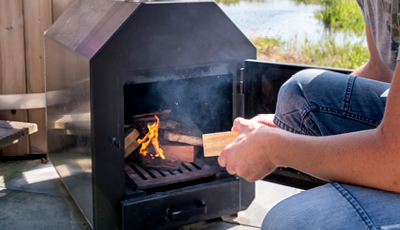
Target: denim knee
{"type": "Point", "coordinates": [319, 103]}
{"type": "Point", "coordinates": [293, 104]}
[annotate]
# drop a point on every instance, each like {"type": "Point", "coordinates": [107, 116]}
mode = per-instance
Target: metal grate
{"type": "Point", "coordinates": [145, 178]}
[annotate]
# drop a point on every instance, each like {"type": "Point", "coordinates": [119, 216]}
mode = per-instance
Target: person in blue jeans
{"type": "Point", "coordinates": [341, 128]}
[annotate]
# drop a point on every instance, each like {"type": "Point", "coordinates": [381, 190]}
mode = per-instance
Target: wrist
{"type": "Point", "coordinates": [271, 140]}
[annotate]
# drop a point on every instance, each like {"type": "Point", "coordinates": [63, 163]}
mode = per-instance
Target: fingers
{"type": "Point", "coordinates": [265, 119]}
{"type": "Point", "coordinates": [230, 170]}
{"type": "Point", "coordinates": [223, 160]}
{"type": "Point", "coordinates": [237, 124]}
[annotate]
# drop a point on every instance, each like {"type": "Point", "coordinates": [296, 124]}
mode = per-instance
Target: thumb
{"type": "Point", "coordinates": [237, 124]}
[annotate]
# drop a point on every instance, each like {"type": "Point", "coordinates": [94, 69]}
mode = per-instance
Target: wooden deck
{"type": "Point", "coordinates": [11, 131]}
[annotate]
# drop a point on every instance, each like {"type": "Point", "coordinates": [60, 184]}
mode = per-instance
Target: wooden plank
{"type": "Point", "coordinates": [130, 142]}
{"type": "Point", "coordinates": [12, 66]}
{"type": "Point", "coordinates": [25, 127]}
{"type": "Point", "coordinates": [184, 153]}
{"type": "Point", "coordinates": [175, 137]}
{"type": "Point", "coordinates": [59, 6]}
{"type": "Point", "coordinates": [8, 136]}
{"type": "Point", "coordinates": [131, 137]}
{"type": "Point", "coordinates": [10, 131]}
{"type": "Point", "coordinates": [214, 143]}
{"type": "Point", "coordinates": [37, 19]}
{"type": "Point", "coordinates": [187, 132]}
{"type": "Point", "coordinates": [131, 148]}
{"type": "Point", "coordinates": [150, 116]}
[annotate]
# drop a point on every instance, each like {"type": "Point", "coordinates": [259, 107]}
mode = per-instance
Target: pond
{"type": "Point", "coordinates": [283, 19]}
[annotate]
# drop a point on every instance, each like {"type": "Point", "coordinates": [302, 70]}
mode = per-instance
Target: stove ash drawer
{"type": "Point", "coordinates": [189, 205]}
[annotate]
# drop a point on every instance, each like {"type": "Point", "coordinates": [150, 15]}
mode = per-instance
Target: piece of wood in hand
{"type": "Point", "coordinates": [184, 153]}
{"type": "Point", "coordinates": [130, 142]}
{"type": "Point", "coordinates": [214, 143]}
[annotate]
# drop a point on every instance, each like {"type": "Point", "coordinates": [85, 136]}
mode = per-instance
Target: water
{"type": "Point", "coordinates": [281, 19]}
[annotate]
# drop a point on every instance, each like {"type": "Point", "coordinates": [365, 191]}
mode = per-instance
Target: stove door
{"type": "Point", "coordinates": [262, 81]}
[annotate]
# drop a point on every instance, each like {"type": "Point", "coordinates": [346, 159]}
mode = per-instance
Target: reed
{"type": "Point", "coordinates": [341, 15]}
{"type": "Point", "coordinates": [328, 53]}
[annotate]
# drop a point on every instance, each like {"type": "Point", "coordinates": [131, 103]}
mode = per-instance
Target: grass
{"type": "Point", "coordinates": [315, 2]}
{"type": "Point", "coordinates": [335, 15]}
{"type": "Point", "coordinates": [341, 15]}
{"type": "Point", "coordinates": [344, 15]}
{"type": "Point", "coordinates": [227, 2]}
{"type": "Point", "coordinates": [322, 53]}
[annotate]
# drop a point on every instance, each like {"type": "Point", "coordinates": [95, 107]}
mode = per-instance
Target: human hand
{"type": "Point", "coordinates": [265, 119]}
{"type": "Point", "coordinates": [249, 156]}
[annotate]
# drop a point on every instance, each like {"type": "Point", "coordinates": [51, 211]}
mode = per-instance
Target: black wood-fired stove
{"type": "Point", "coordinates": [107, 61]}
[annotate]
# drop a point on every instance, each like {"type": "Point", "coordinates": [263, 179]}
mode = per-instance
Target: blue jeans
{"type": "Point", "coordinates": [320, 103]}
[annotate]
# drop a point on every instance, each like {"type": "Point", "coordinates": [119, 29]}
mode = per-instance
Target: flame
{"type": "Point", "coordinates": [151, 136]}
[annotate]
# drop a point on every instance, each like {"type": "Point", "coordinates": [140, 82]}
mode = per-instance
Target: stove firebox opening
{"type": "Point", "coordinates": [164, 123]}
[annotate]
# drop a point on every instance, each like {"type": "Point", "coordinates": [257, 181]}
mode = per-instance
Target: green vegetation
{"type": "Point", "coordinates": [227, 2]}
{"type": "Point", "coordinates": [336, 15]}
{"type": "Point", "coordinates": [316, 2]}
{"type": "Point", "coordinates": [322, 53]}
{"type": "Point", "coordinates": [341, 15]}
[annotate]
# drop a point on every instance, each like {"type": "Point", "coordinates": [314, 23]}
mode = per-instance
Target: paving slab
{"type": "Point", "coordinates": [22, 210]}
{"type": "Point", "coordinates": [32, 196]}
{"type": "Point", "coordinates": [267, 195]}
{"type": "Point", "coordinates": [11, 169]}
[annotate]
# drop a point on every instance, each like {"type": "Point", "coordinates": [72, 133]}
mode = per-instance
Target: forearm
{"type": "Point", "coordinates": [372, 71]}
{"type": "Point", "coordinates": [359, 158]}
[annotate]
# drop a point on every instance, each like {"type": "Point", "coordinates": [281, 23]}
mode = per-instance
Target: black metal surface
{"type": "Point", "coordinates": [180, 207]}
{"type": "Point", "coordinates": [145, 178]}
{"type": "Point", "coordinates": [97, 47]}
{"type": "Point", "coordinates": [262, 83]}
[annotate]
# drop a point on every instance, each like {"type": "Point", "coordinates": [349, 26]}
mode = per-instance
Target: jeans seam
{"type": "Point", "coordinates": [347, 115]}
{"type": "Point", "coordinates": [347, 96]}
{"type": "Point", "coordinates": [284, 126]}
{"type": "Point", "coordinates": [357, 207]}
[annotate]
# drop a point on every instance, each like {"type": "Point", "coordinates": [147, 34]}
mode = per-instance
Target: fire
{"type": "Point", "coordinates": [151, 136]}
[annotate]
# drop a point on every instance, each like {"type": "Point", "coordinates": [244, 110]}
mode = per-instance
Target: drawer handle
{"type": "Point", "coordinates": [186, 211]}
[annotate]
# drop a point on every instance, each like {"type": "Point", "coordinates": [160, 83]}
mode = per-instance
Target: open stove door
{"type": "Point", "coordinates": [262, 81]}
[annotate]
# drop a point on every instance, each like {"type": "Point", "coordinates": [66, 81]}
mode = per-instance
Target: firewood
{"type": "Point", "coordinates": [175, 137]}
{"type": "Point", "coordinates": [157, 162]}
{"type": "Point", "coordinates": [214, 143]}
{"type": "Point", "coordinates": [168, 125]}
{"type": "Point", "coordinates": [130, 142]}
{"type": "Point", "coordinates": [184, 153]}
{"type": "Point", "coordinates": [187, 132]}
{"type": "Point", "coordinates": [150, 116]}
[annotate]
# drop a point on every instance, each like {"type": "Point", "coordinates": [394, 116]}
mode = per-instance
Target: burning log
{"type": "Point", "coordinates": [184, 153]}
{"type": "Point", "coordinates": [130, 142]}
{"type": "Point", "coordinates": [168, 125]}
{"type": "Point", "coordinates": [187, 133]}
{"type": "Point", "coordinates": [150, 116]}
{"type": "Point", "coordinates": [173, 129]}
{"type": "Point", "coordinates": [149, 161]}
{"type": "Point", "coordinates": [181, 138]}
